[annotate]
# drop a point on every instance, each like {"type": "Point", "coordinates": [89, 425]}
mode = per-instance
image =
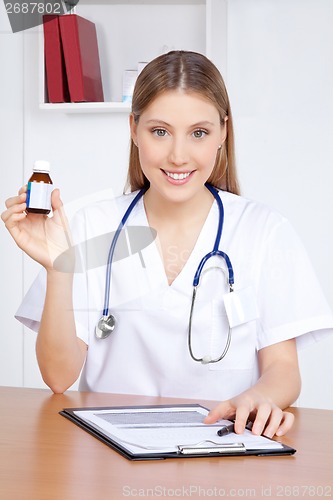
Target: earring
{"type": "Point", "coordinates": [220, 146]}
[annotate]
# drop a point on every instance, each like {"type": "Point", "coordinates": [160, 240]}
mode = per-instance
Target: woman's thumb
{"type": "Point", "coordinates": [55, 199]}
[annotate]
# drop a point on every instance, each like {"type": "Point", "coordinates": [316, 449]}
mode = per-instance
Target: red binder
{"type": "Point", "coordinates": [80, 46]}
{"type": "Point", "coordinates": [55, 72]}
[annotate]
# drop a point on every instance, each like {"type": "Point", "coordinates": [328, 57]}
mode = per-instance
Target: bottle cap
{"type": "Point", "coordinates": [41, 166]}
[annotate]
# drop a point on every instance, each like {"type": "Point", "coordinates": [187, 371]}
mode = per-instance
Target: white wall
{"type": "Point", "coordinates": [280, 80]}
{"type": "Point", "coordinates": [11, 158]}
{"type": "Point", "coordinates": [279, 75]}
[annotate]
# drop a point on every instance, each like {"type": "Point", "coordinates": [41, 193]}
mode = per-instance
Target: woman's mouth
{"type": "Point", "coordinates": [177, 177]}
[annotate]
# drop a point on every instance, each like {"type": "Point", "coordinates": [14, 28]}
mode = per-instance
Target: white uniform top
{"type": "Point", "coordinates": [148, 351]}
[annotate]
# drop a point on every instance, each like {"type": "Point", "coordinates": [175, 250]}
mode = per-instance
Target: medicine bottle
{"type": "Point", "coordinates": [39, 189]}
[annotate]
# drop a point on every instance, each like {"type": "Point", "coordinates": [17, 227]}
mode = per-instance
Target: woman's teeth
{"type": "Point", "coordinates": [178, 176]}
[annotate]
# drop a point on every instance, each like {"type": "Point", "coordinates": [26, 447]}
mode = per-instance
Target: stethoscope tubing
{"type": "Point", "coordinates": [217, 242]}
{"type": "Point", "coordinates": [196, 281]}
{"type": "Point", "coordinates": [205, 359]}
{"type": "Point", "coordinates": [113, 247]}
{"type": "Point", "coordinates": [215, 193]}
{"type": "Point", "coordinates": [203, 261]}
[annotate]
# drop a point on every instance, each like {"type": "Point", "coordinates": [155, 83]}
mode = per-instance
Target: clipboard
{"type": "Point", "coordinates": [128, 429]}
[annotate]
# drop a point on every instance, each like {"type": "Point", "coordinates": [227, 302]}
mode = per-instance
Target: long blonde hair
{"type": "Point", "coordinates": [190, 72]}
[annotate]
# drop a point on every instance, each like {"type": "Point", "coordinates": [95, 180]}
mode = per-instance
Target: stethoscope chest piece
{"type": "Point", "coordinates": [105, 326]}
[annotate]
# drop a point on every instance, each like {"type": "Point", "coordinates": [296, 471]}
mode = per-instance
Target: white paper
{"type": "Point", "coordinates": [163, 429]}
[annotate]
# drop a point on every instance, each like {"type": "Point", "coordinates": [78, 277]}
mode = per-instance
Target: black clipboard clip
{"type": "Point", "coordinates": [223, 449]}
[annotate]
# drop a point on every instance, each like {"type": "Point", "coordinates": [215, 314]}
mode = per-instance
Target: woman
{"type": "Point", "coordinates": [182, 139]}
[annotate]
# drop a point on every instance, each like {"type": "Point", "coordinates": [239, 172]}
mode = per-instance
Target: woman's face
{"type": "Point", "coordinates": [178, 136]}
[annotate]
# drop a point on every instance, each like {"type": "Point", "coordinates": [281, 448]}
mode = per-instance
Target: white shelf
{"type": "Point", "coordinates": [87, 107]}
{"type": "Point", "coordinates": [130, 31]}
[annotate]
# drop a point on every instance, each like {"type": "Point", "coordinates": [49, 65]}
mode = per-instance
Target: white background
{"type": "Point", "coordinates": [278, 67]}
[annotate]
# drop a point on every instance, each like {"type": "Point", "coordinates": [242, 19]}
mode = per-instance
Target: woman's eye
{"type": "Point", "coordinates": [198, 134]}
{"type": "Point", "coordinates": [160, 132]}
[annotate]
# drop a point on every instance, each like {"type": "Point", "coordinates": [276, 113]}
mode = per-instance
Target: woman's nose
{"type": "Point", "coordinates": [178, 152]}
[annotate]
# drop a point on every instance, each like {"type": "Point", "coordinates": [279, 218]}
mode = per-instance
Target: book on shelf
{"type": "Point", "coordinates": [81, 55]}
{"type": "Point", "coordinates": [55, 72]}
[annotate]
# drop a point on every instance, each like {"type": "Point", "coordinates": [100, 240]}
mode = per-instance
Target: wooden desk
{"type": "Point", "coordinates": [43, 456]}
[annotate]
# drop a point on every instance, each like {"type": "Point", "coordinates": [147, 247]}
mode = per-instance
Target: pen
{"type": "Point", "coordinates": [227, 429]}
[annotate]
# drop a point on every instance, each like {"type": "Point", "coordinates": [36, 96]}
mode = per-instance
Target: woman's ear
{"type": "Point", "coordinates": [224, 130]}
{"type": "Point", "coordinates": [133, 128]}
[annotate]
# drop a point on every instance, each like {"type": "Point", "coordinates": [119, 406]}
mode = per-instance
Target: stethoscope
{"type": "Point", "coordinates": [107, 322]}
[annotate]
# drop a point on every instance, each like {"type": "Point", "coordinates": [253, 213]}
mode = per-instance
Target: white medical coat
{"type": "Point", "coordinates": [148, 351]}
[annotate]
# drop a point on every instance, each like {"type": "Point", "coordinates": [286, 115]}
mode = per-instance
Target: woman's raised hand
{"type": "Point", "coordinates": [43, 238]}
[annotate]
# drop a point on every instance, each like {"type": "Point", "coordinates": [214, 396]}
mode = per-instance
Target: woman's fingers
{"type": "Point", "coordinates": [271, 420]}
{"type": "Point", "coordinates": [15, 206]}
{"type": "Point", "coordinates": [20, 198]}
{"type": "Point", "coordinates": [13, 215]}
{"type": "Point", "coordinates": [15, 200]}
{"type": "Point", "coordinates": [43, 238]}
{"type": "Point", "coordinates": [241, 418]}
{"type": "Point", "coordinates": [286, 423]}
{"type": "Point", "coordinates": [266, 418]}
{"type": "Point", "coordinates": [222, 410]}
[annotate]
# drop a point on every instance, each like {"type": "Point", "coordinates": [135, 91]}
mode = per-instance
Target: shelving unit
{"type": "Point", "coordinates": [130, 31]}
{"type": "Point", "coordinates": [87, 107]}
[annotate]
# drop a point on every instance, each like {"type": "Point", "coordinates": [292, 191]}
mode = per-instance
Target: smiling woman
{"type": "Point", "coordinates": [178, 137]}
{"type": "Point", "coordinates": [238, 344]}
{"type": "Point", "coordinates": [189, 74]}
